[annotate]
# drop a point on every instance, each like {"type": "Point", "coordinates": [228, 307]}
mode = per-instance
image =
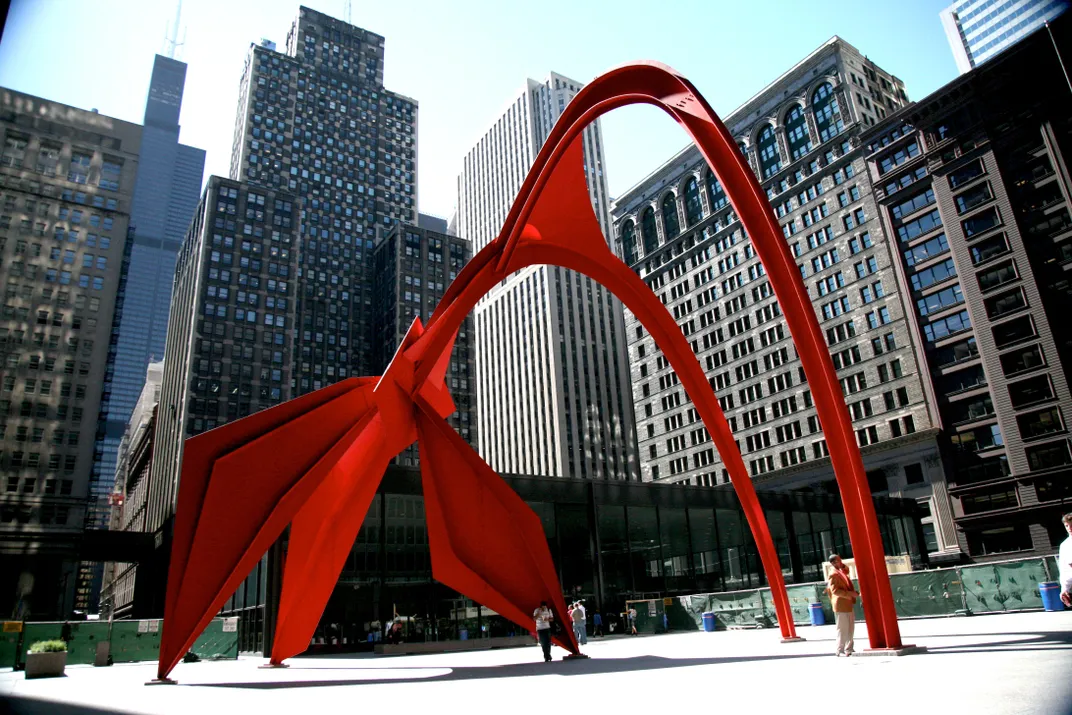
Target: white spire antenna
{"type": "Point", "coordinates": [171, 41]}
{"type": "Point", "coordinates": [349, 13]}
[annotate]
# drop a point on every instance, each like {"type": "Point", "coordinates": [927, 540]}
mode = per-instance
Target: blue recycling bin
{"type": "Point", "coordinates": [815, 611]}
{"type": "Point", "coordinates": [1051, 596]}
{"type": "Point", "coordinates": [709, 622]}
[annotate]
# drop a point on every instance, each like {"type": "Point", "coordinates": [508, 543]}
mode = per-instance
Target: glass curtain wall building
{"type": "Point", "coordinates": [979, 29]}
{"type": "Point", "coordinates": [611, 540]}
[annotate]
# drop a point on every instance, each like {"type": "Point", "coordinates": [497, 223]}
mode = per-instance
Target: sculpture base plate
{"type": "Point", "coordinates": [162, 681]}
{"type": "Point", "coordinates": [903, 650]}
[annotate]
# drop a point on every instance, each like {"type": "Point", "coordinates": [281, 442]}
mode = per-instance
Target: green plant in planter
{"type": "Point", "coordinates": [56, 646]}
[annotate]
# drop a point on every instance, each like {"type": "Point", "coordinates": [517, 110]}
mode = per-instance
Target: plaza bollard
{"type": "Point", "coordinates": [1051, 596]}
{"type": "Point", "coordinates": [709, 622]}
{"type": "Point", "coordinates": [815, 611]}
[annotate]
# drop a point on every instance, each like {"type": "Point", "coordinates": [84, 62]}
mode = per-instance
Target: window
{"type": "Point", "coordinates": [1005, 303]}
{"type": "Point", "coordinates": [941, 300]}
{"type": "Point", "coordinates": [693, 209]}
{"type": "Point", "coordinates": [828, 119]}
{"type": "Point", "coordinates": [989, 500]}
{"type": "Point", "coordinates": [1049, 455]}
{"type": "Point", "coordinates": [981, 222]}
{"type": "Point", "coordinates": [927, 250]}
{"type": "Point", "coordinates": [111, 170]}
{"type": "Point", "coordinates": [1014, 331]}
{"type": "Point", "coordinates": [629, 243]}
{"type": "Point", "coordinates": [966, 173]}
{"type": "Point", "coordinates": [944, 327]}
{"type": "Point", "coordinates": [934, 274]}
{"type": "Point", "coordinates": [975, 196]}
{"type": "Point", "coordinates": [671, 225]}
{"type": "Point", "coordinates": [912, 204]}
{"type": "Point", "coordinates": [919, 226]}
{"type": "Point", "coordinates": [1038, 424]}
{"type": "Point", "coordinates": [988, 248]}
{"type": "Point", "coordinates": [648, 231]}
{"type": "Point", "coordinates": [796, 132]}
{"type": "Point", "coordinates": [78, 172]}
{"type": "Point", "coordinates": [998, 275]}
{"type": "Point", "coordinates": [770, 161]}
{"type": "Point", "coordinates": [1022, 359]}
{"type": "Point", "coordinates": [1030, 391]}
{"type": "Point", "coordinates": [913, 473]}
{"type": "Point", "coordinates": [715, 195]}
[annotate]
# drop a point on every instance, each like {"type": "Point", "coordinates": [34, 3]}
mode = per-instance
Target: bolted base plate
{"type": "Point", "coordinates": [162, 681]}
{"type": "Point", "coordinates": [575, 656]}
{"type": "Point", "coordinates": [272, 666]}
{"type": "Point", "coordinates": [903, 650]}
{"type": "Point", "coordinates": [794, 639]}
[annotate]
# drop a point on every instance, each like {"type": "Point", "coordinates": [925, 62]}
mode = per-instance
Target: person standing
{"type": "Point", "coordinates": [843, 597]}
{"type": "Point", "coordinates": [1064, 562]}
{"type": "Point", "coordinates": [543, 618]}
{"type": "Point", "coordinates": [597, 625]}
{"type": "Point", "coordinates": [632, 621]}
{"type": "Point", "coordinates": [580, 623]}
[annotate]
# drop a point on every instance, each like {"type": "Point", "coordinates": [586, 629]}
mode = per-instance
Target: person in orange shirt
{"type": "Point", "coordinates": [843, 597]}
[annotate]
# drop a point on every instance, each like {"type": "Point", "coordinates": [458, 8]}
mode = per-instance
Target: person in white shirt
{"type": "Point", "coordinates": [1064, 562]}
{"type": "Point", "coordinates": [580, 626]}
{"type": "Point", "coordinates": [543, 617]}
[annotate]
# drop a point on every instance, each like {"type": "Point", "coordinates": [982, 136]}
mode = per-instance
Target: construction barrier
{"type": "Point", "coordinates": [128, 641]}
{"type": "Point", "coordinates": [977, 588]}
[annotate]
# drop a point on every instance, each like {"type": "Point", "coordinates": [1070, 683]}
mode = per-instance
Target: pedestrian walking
{"type": "Point", "coordinates": [1064, 562]}
{"type": "Point", "coordinates": [843, 597]}
{"type": "Point", "coordinates": [597, 624]}
{"type": "Point", "coordinates": [543, 618]}
{"type": "Point", "coordinates": [632, 621]}
{"type": "Point", "coordinates": [580, 623]}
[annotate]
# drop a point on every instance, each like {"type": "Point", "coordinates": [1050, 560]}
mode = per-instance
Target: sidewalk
{"type": "Point", "coordinates": [1015, 663]}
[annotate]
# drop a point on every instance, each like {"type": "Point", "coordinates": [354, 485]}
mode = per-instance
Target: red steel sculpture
{"type": "Point", "coordinates": [315, 462]}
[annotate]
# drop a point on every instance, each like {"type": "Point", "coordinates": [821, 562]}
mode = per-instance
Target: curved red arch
{"type": "Point", "coordinates": [485, 542]}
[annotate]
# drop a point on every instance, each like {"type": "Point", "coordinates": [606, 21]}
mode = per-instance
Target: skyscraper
{"type": "Point", "coordinates": [166, 188]}
{"type": "Point", "coordinates": [979, 29]}
{"type": "Point", "coordinates": [552, 394]}
{"type": "Point", "coordinates": [67, 178]}
{"type": "Point", "coordinates": [318, 123]}
{"type": "Point", "coordinates": [972, 181]}
{"type": "Point", "coordinates": [678, 231]}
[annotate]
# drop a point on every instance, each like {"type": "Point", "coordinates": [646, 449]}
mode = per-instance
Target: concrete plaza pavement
{"type": "Point", "coordinates": [1012, 663]}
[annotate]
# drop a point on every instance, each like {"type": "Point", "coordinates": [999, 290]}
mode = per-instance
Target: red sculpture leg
{"type": "Point", "coordinates": [486, 543]}
{"type": "Point", "coordinates": [251, 493]}
{"type": "Point", "coordinates": [322, 537]}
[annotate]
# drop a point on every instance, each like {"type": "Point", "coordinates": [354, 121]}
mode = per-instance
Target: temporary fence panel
{"type": "Point", "coordinates": [679, 615]}
{"type": "Point", "coordinates": [800, 597]}
{"type": "Point", "coordinates": [219, 640]}
{"type": "Point", "coordinates": [740, 608]}
{"type": "Point", "coordinates": [134, 641]}
{"type": "Point", "coordinates": [84, 637]}
{"type": "Point", "coordinates": [10, 634]}
{"type": "Point", "coordinates": [35, 632]}
{"type": "Point", "coordinates": [649, 615]}
{"type": "Point", "coordinates": [1008, 586]}
{"type": "Point", "coordinates": [927, 593]}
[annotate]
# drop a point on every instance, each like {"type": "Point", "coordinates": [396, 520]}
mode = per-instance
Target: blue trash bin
{"type": "Point", "coordinates": [1051, 596]}
{"type": "Point", "coordinates": [815, 611]}
{"type": "Point", "coordinates": [709, 622]}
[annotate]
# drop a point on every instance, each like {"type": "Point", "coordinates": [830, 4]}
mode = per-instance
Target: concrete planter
{"type": "Point", "coordinates": [45, 665]}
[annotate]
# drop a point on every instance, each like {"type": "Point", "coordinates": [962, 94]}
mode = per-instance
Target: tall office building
{"type": "Point", "coordinates": [412, 267]}
{"type": "Point", "coordinates": [676, 228]}
{"type": "Point", "coordinates": [317, 122]}
{"type": "Point", "coordinates": [166, 189]}
{"type": "Point", "coordinates": [979, 29]}
{"type": "Point", "coordinates": [67, 177]}
{"type": "Point", "coordinates": [973, 181]}
{"type": "Point", "coordinates": [230, 337]}
{"type": "Point", "coordinates": [552, 396]}
{"type": "Point", "coordinates": [130, 503]}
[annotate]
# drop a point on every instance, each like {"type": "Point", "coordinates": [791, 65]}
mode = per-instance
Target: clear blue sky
{"type": "Point", "coordinates": [463, 60]}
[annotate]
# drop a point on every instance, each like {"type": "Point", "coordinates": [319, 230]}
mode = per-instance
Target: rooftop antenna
{"type": "Point", "coordinates": [349, 17]}
{"type": "Point", "coordinates": [171, 40]}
